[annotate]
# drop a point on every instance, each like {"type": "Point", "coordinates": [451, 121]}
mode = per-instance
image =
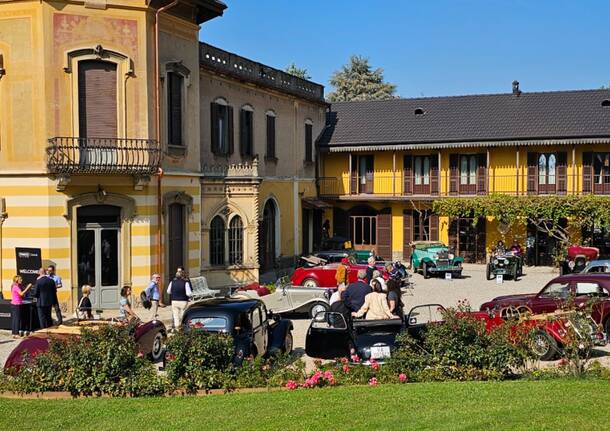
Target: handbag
{"type": "Point", "coordinates": [78, 314]}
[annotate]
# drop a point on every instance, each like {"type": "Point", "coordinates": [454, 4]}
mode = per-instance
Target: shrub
{"type": "Point", "coordinates": [274, 371]}
{"type": "Point", "coordinates": [199, 360]}
{"type": "Point", "coordinates": [102, 361]}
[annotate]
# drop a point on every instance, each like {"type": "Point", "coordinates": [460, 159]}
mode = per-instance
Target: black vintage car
{"type": "Point", "coordinates": [331, 335]}
{"type": "Point", "coordinates": [255, 330]}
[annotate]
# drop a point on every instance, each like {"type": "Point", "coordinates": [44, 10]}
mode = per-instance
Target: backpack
{"type": "Point", "coordinates": [146, 303]}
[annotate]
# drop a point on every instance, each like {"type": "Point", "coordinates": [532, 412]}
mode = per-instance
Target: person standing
{"type": "Point", "coordinates": [341, 276]}
{"type": "Point", "coordinates": [153, 293]}
{"type": "Point", "coordinates": [179, 291]}
{"type": "Point", "coordinates": [84, 310]}
{"type": "Point", "coordinates": [58, 285]}
{"type": "Point", "coordinates": [370, 269]}
{"type": "Point", "coordinates": [46, 297]}
{"type": "Point", "coordinates": [356, 292]}
{"type": "Point", "coordinates": [394, 298]}
{"type": "Point", "coordinates": [16, 302]}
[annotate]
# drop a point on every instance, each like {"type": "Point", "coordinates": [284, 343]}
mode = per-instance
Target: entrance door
{"type": "Point", "coordinates": [98, 248]}
{"type": "Point", "coordinates": [467, 240]}
{"type": "Point", "coordinates": [267, 236]}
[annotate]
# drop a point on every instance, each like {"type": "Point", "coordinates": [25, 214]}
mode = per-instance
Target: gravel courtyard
{"type": "Point", "coordinates": [473, 287]}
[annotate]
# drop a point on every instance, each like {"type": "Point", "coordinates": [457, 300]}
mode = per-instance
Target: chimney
{"type": "Point", "coordinates": [516, 90]}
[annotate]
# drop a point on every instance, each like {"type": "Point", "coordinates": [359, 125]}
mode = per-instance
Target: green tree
{"type": "Point", "coordinates": [357, 81]}
{"type": "Point", "coordinates": [295, 70]}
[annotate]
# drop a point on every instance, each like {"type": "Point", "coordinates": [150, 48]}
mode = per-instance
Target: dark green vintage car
{"type": "Point", "coordinates": [506, 264]}
{"type": "Point", "coordinates": [433, 257]}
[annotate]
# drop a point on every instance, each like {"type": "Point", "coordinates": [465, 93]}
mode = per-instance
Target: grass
{"type": "Point", "coordinates": [550, 404]}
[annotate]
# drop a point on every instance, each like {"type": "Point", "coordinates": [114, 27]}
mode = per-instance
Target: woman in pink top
{"type": "Point", "coordinates": [16, 301]}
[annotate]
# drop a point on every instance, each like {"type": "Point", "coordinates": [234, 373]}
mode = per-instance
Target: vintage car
{"type": "Point", "coordinates": [292, 299]}
{"type": "Point", "coordinates": [255, 331]}
{"type": "Point", "coordinates": [577, 258]}
{"type": "Point", "coordinates": [433, 257]}
{"type": "Point", "coordinates": [597, 266]}
{"type": "Point", "coordinates": [149, 337]}
{"type": "Point", "coordinates": [331, 335]}
{"type": "Point", "coordinates": [583, 288]}
{"type": "Point", "coordinates": [335, 256]}
{"type": "Point", "coordinates": [506, 264]}
{"type": "Point", "coordinates": [322, 274]}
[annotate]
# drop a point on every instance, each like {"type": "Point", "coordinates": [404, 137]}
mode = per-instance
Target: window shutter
{"type": "Point", "coordinates": [174, 110]}
{"type": "Point", "coordinates": [243, 130]}
{"type": "Point", "coordinates": [433, 227]}
{"type": "Point", "coordinates": [384, 234]}
{"type": "Point", "coordinates": [97, 99]}
{"type": "Point", "coordinates": [270, 136]}
{"type": "Point", "coordinates": [587, 172]}
{"type": "Point", "coordinates": [562, 172]}
{"type": "Point", "coordinates": [407, 237]}
{"type": "Point", "coordinates": [308, 143]}
{"type": "Point", "coordinates": [434, 174]}
{"type": "Point", "coordinates": [481, 174]}
{"type": "Point", "coordinates": [408, 175]}
{"type": "Point", "coordinates": [230, 132]}
{"type": "Point", "coordinates": [454, 173]}
{"type": "Point", "coordinates": [532, 173]}
{"type": "Point", "coordinates": [214, 128]}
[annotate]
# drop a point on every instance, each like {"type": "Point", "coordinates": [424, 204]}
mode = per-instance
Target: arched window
{"type": "Point", "coordinates": [552, 163]}
{"type": "Point", "coordinates": [236, 241]}
{"type": "Point", "coordinates": [542, 169]}
{"type": "Point", "coordinates": [217, 241]}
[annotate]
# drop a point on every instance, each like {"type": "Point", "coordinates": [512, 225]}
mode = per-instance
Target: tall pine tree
{"type": "Point", "coordinates": [357, 81]}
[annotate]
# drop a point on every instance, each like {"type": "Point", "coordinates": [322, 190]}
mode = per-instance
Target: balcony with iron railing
{"type": "Point", "coordinates": [396, 186]}
{"type": "Point", "coordinates": [108, 156]}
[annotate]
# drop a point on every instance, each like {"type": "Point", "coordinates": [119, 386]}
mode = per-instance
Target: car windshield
{"type": "Point", "coordinates": [426, 246]}
{"type": "Point", "coordinates": [556, 290]}
{"type": "Point", "coordinates": [216, 324]}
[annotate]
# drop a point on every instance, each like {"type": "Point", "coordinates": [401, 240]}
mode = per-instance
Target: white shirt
{"type": "Point", "coordinates": [336, 296]}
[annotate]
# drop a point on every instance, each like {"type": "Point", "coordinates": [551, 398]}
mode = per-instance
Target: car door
{"type": "Point", "coordinates": [258, 318]}
{"type": "Point", "coordinates": [421, 316]}
{"type": "Point", "coordinates": [551, 297]}
{"type": "Point", "coordinates": [278, 301]}
{"type": "Point", "coordinates": [328, 336]}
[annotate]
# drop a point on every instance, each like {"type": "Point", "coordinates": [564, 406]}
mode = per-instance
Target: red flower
{"type": "Point", "coordinates": [402, 377]}
{"type": "Point", "coordinates": [291, 385]}
{"type": "Point", "coordinates": [346, 369]}
{"type": "Point", "coordinates": [373, 381]}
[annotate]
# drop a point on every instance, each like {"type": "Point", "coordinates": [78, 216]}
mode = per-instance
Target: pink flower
{"type": "Point", "coordinates": [140, 355]}
{"type": "Point", "coordinates": [373, 381]}
{"type": "Point", "coordinates": [328, 375]}
{"type": "Point", "coordinates": [346, 369]}
{"type": "Point", "coordinates": [344, 360]}
{"type": "Point", "coordinates": [402, 377]}
{"type": "Point", "coordinates": [291, 385]}
{"type": "Point", "coordinates": [374, 364]}
{"type": "Point", "coordinates": [355, 358]}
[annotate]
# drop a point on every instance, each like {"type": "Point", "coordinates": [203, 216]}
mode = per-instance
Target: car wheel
{"type": "Point", "coordinates": [318, 307]}
{"type": "Point", "coordinates": [288, 343]}
{"type": "Point", "coordinates": [488, 272]}
{"type": "Point", "coordinates": [156, 352]}
{"type": "Point", "coordinates": [309, 282]}
{"type": "Point", "coordinates": [544, 346]}
{"type": "Point", "coordinates": [424, 270]}
{"type": "Point", "coordinates": [456, 274]}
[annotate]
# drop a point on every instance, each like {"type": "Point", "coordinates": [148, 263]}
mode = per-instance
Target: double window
{"type": "Point", "coordinates": [547, 169]}
{"type": "Point", "coordinates": [468, 169]}
{"type": "Point", "coordinates": [421, 170]}
{"type": "Point", "coordinates": [226, 245]}
{"type": "Point", "coordinates": [222, 128]}
{"type": "Point", "coordinates": [601, 168]}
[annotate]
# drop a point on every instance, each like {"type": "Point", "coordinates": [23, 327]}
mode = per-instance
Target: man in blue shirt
{"type": "Point", "coordinates": [153, 292]}
{"type": "Point", "coordinates": [356, 291]}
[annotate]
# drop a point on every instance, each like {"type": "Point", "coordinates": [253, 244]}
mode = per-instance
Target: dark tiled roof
{"type": "Point", "coordinates": [492, 117]}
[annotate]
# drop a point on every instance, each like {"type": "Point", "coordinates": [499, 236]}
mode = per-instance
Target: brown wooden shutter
{"type": "Point", "coordinates": [433, 227]}
{"type": "Point", "coordinates": [214, 128]}
{"type": "Point", "coordinates": [308, 143]}
{"type": "Point", "coordinates": [174, 110]}
{"type": "Point", "coordinates": [433, 175]}
{"type": "Point", "coordinates": [270, 136]}
{"type": "Point", "coordinates": [243, 130]}
{"type": "Point", "coordinates": [97, 99]}
{"type": "Point", "coordinates": [562, 173]}
{"type": "Point", "coordinates": [230, 131]}
{"type": "Point", "coordinates": [587, 172]}
{"type": "Point", "coordinates": [481, 174]}
{"type": "Point", "coordinates": [532, 173]}
{"type": "Point", "coordinates": [407, 235]}
{"type": "Point", "coordinates": [384, 234]}
{"type": "Point", "coordinates": [454, 173]}
{"type": "Point", "coordinates": [408, 175]}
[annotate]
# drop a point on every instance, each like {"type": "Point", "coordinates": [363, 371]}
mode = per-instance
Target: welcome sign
{"type": "Point", "coordinates": [29, 261]}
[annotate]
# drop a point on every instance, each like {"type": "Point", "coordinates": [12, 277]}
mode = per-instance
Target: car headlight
{"type": "Point", "coordinates": [495, 261]}
{"type": "Point", "coordinates": [451, 255]}
{"type": "Point", "coordinates": [571, 264]}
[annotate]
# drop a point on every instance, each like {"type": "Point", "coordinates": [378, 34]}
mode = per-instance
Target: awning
{"type": "Point", "coordinates": [314, 204]}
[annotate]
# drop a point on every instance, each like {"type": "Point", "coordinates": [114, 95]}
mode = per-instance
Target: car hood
{"type": "Point", "coordinates": [510, 298]}
{"type": "Point", "coordinates": [431, 250]}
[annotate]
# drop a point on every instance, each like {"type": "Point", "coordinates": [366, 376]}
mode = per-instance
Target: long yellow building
{"type": "Point", "coordinates": [81, 149]}
{"type": "Point", "coordinates": [383, 163]}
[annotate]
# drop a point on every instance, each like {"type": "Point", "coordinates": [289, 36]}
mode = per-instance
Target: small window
{"type": "Point", "coordinates": [308, 142]}
{"type": "Point", "coordinates": [217, 241]}
{"type": "Point", "coordinates": [216, 324]}
{"type": "Point", "coordinates": [174, 111]}
{"type": "Point", "coordinates": [270, 135]}
{"type": "Point", "coordinates": [246, 131]}
{"type": "Point", "coordinates": [236, 241]}
{"type": "Point", "coordinates": [589, 289]}
{"type": "Point", "coordinates": [556, 290]}
{"type": "Point", "coordinates": [222, 127]}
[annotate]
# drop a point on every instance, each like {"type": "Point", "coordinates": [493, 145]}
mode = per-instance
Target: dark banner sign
{"type": "Point", "coordinates": [29, 261]}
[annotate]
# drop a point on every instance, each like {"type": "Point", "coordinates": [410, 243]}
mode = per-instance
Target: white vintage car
{"type": "Point", "coordinates": [293, 299]}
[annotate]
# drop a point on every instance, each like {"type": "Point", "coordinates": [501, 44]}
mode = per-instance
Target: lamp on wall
{"type": "Point", "coordinates": [101, 194]}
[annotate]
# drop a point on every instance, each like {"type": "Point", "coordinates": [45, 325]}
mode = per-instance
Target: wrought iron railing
{"type": "Point", "coordinates": [71, 155]}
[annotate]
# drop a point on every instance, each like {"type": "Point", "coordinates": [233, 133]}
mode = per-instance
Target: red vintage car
{"type": "Point", "coordinates": [582, 287]}
{"type": "Point", "coordinates": [577, 258]}
{"type": "Point", "coordinates": [149, 337]}
{"type": "Point", "coordinates": [323, 275]}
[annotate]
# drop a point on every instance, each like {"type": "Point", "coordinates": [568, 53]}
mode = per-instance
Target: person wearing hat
{"type": "Point", "coordinates": [341, 276]}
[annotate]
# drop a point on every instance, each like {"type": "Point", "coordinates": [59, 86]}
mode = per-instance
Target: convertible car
{"type": "Point", "coordinates": [322, 274]}
{"type": "Point", "coordinates": [433, 257]}
{"type": "Point", "coordinates": [582, 287]}
{"type": "Point", "coordinates": [255, 331]}
{"type": "Point", "coordinates": [149, 337]}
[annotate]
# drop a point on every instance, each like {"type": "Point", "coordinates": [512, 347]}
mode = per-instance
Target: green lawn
{"type": "Point", "coordinates": [553, 405]}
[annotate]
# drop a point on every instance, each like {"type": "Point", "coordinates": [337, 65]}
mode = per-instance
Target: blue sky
{"type": "Point", "coordinates": [430, 47]}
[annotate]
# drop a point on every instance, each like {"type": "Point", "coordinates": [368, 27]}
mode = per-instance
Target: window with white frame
{"type": "Point", "coordinates": [236, 241]}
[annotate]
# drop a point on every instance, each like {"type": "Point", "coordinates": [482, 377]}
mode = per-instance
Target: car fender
{"type": "Point", "coordinates": [458, 259]}
{"type": "Point", "coordinates": [30, 346]}
{"type": "Point", "coordinates": [554, 329]}
{"type": "Point", "coordinates": [427, 259]}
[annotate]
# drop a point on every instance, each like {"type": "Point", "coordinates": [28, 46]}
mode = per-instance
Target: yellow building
{"type": "Point", "coordinates": [259, 206]}
{"type": "Point", "coordinates": [81, 147]}
{"type": "Point", "coordinates": [383, 163]}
